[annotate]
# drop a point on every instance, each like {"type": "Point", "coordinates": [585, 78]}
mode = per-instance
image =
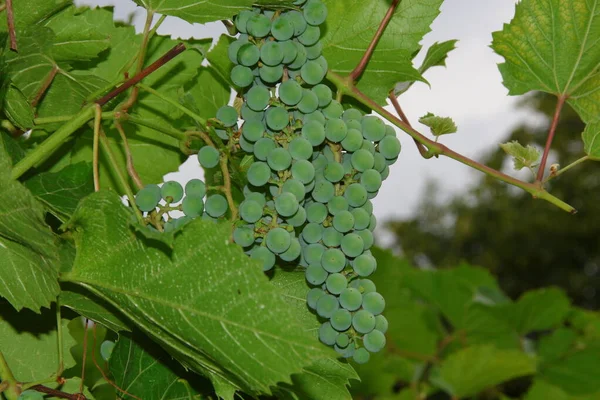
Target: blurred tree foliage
{"type": "Point", "coordinates": [525, 243]}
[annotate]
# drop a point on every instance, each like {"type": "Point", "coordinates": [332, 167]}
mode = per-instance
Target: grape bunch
{"type": "Point", "coordinates": [315, 168]}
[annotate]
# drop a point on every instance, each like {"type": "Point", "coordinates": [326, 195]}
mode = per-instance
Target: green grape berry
{"type": "Point", "coordinates": [313, 296]}
{"type": "Point", "coordinates": [293, 252]}
{"type": "Point", "coordinates": [253, 130]}
{"type": "Point", "coordinates": [309, 102]}
{"type": "Point", "coordinates": [374, 303]}
{"type": "Point", "coordinates": [336, 130]}
{"type": "Point", "coordinates": [192, 206]}
{"type": "Point", "coordinates": [334, 172]}
{"type": "Point", "coordinates": [324, 94]}
{"type": "Point", "coordinates": [300, 148]}
{"type": "Point", "coordinates": [374, 341]}
{"type": "Point", "coordinates": [327, 334]}
{"type": "Point", "coordinates": [290, 92]}
{"type": "Point", "coordinates": [294, 187]}
{"type": "Point", "coordinates": [315, 274]}
{"type": "Point", "coordinates": [312, 72]}
{"type": "Point", "coordinates": [341, 320]}
{"type": "Point", "coordinates": [148, 198]}
{"type": "Point", "coordinates": [316, 212]}
{"type": "Point", "coordinates": [251, 211]}
{"type": "Point", "coordinates": [373, 128]}
{"type": "Point", "coordinates": [106, 349]}
{"type": "Point", "coordinates": [352, 245]}
{"type": "Point", "coordinates": [216, 205]}
{"type": "Point", "coordinates": [259, 173]}
{"type": "Point", "coordinates": [342, 340]}
{"type": "Point", "coordinates": [313, 253]}
{"type": "Point", "coordinates": [351, 299]}
{"type": "Point", "coordinates": [195, 187]}
{"type": "Point", "coordinates": [336, 283]}
{"type": "Point", "coordinates": [242, 76]}
{"type": "Point", "coordinates": [258, 25]}
{"type": "Point", "coordinates": [277, 118]}
{"type": "Point", "coordinates": [227, 115]}
{"type": "Point", "coordinates": [282, 28]}
{"type": "Point", "coordinates": [337, 204]}
{"type": "Point", "coordinates": [302, 170]}
{"type": "Point", "coordinates": [356, 194]}
{"type": "Point", "coordinates": [389, 147]}
{"type": "Point", "coordinates": [381, 323]}
{"type": "Point", "coordinates": [333, 260]}
{"type": "Point", "coordinates": [362, 160]}
{"type": "Point", "coordinates": [314, 132]}
{"type": "Point", "coordinates": [286, 204]}
{"type": "Point", "coordinates": [279, 159]}
{"type": "Point", "coordinates": [312, 233]}
{"type": "Point", "coordinates": [243, 236]}
{"type": "Point", "coordinates": [258, 98]}
{"type": "Point", "coordinates": [208, 157]}
{"type": "Point", "coordinates": [363, 321]}
{"type": "Point", "coordinates": [331, 237]}
{"type": "Point", "coordinates": [327, 305]}
{"type": "Point", "coordinates": [271, 53]}
{"type": "Point", "coordinates": [323, 191]}
{"type": "Point", "coordinates": [343, 221]}
{"type": "Point", "coordinates": [171, 191]}
{"type": "Point", "coordinates": [248, 55]}
{"type": "Point", "coordinates": [361, 356]}
{"type": "Point", "coordinates": [315, 12]}
{"type": "Point", "coordinates": [263, 147]}
{"type": "Point", "coordinates": [278, 240]}
{"type": "Point", "coordinates": [264, 256]}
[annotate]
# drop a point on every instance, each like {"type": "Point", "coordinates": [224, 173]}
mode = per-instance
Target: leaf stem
{"type": "Point", "coordinates": [163, 128]}
{"type": "Point", "coordinates": [48, 146]}
{"type": "Point", "coordinates": [95, 153]}
{"type": "Point", "coordinates": [404, 118]}
{"type": "Point", "coordinates": [129, 157]}
{"type": "Point", "coordinates": [59, 336]}
{"type": "Point", "coordinates": [11, 392]}
{"type": "Point", "coordinates": [565, 169]}
{"type": "Point", "coordinates": [559, 105]}
{"type": "Point", "coordinates": [65, 118]}
{"type": "Point", "coordinates": [360, 68]}
{"type": "Point", "coordinates": [227, 186]}
{"type": "Point", "coordinates": [10, 21]}
{"type": "Point", "coordinates": [437, 149]}
{"type": "Point", "coordinates": [58, 393]}
{"type": "Point", "coordinates": [44, 86]}
{"type": "Point", "coordinates": [174, 103]}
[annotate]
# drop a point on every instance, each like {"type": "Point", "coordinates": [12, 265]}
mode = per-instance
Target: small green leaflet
{"type": "Point", "coordinates": [591, 140]}
{"type": "Point", "coordinates": [523, 157]}
{"type": "Point", "coordinates": [552, 46]}
{"type": "Point", "coordinates": [438, 125]}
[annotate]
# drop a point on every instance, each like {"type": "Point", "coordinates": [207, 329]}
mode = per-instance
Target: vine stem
{"type": "Point", "coordinates": [362, 64]}
{"type": "Point", "coordinates": [10, 21]}
{"type": "Point", "coordinates": [59, 337]}
{"type": "Point", "coordinates": [568, 167]}
{"type": "Point", "coordinates": [130, 166]}
{"type": "Point", "coordinates": [404, 118]}
{"type": "Point", "coordinates": [49, 145]}
{"type": "Point", "coordinates": [174, 103]}
{"type": "Point", "coordinates": [163, 128]}
{"type": "Point", "coordinates": [58, 393]}
{"type": "Point", "coordinates": [11, 392]}
{"type": "Point", "coordinates": [542, 168]}
{"type": "Point", "coordinates": [95, 153]}
{"type": "Point", "coordinates": [437, 149]}
{"type": "Point", "coordinates": [227, 186]}
{"type": "Point", "coordinates": [45, 85]}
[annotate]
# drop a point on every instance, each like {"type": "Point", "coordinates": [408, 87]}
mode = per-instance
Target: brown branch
{"type": "Point", "coordinates": [357, 72]}
{"type": "Point", "coordinates": [58, 393]}
{"type": "Point", "coordinates": [394, 100]}
{"type": "Point", "coordinates": [45, 85]}
{"type": "Point", "coordinates": [10, 20]}
{"type": "Point", "coordinates": [130, 166]}
{"type": "Point", "coordinates": [559, 105]}
{"type": "Point", "coordinates": [168, 56]}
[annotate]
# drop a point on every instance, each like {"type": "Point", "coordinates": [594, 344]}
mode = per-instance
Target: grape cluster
{"type": "Point", "coordinates": [315, 168]}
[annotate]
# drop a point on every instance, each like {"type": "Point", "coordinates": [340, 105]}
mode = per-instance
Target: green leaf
{"type": "Point", "coordinates": [351, 25]}
{"type": "Point", "coordinates": [133, 367]}
{"type": "Point", "coordinates": [551, 46]}
{"type": "Point", "coordinates": [17, 108]}
{"type": "Point", "coordinates": [203, 11]}
{"type": "Point", "coordinates": [438, 125]}
{"type": "Point", "coordinates": [473, 369]}
{"type": "Point", "coordinates": [486, 325]}
{"type": "Point", "coordinates": [523, 157]}
{"type": "Point", "coordinates": [219, 59]}
{"type": "Point", "coordinates": [29, 271]}
{"type": "Point", "coordinates": [538, 310]}
{"type": "Point", "coordinates": [29, 343]}
{"type": "Point", "coordinates": [541, 390]}
{"type": "Point", "coordinates": [207, 93]}
{"type": "Point", "coordinates": [206, 302]}
{"type": "Point", "coordinates": [591, 140]}
{"type": "Point", "coordinates": [556, 344]}
{"type": "Point", "coordinates": [32, 12]}
{"type": "Point", "coordinates": [61, 191]}
{"type": "Point", "coordinates": [577, 372]}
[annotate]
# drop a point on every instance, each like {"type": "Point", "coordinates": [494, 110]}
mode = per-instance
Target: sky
{"type": "Point", "coordinates": [469, 90]}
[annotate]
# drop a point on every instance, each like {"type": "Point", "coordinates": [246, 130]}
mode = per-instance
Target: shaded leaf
{"type": "Point", "coordinates": [438, 125]}
{"type": "Point", "coordinates": [523, 157]}
{"type": "Point", "coordinates": [552, 46]}
{"type": "Point", "coordinates": [577, 372]}
{"type": "Point", "coordinates": [206, 93]}
{"type": "Point", "coordinates": [17, 108]}
{"type": "Point", "coordinates": [219, 59]}
{"type": "Point", "coordinates": [556, 344]}
{"type": "Point", "coordinates": [245, 325]}
{"type": "Point", "coordinates": [538, 310]}
{"type": "Point", "coordinates": [351, 26]}
{"type": "Point", "coordinates": [591, 140]}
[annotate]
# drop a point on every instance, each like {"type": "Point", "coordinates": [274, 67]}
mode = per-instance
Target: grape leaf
{"type": "Point", "coordinates": [351, 25]}
{"type": "Point", "coordinates": [591, 140]}
{"type": "Point", "coordinates": [133, 367]}
{"type": "Point", "coordinates": [225, 321]}
{"type": "Point", "coordinates": [219, 59]}
{"type": "Point", "coordinates": [552, 46]}
{"type": "Point", "coordinates": [32, 12]}
{"type": "Point", "coordinates": [206, 93]}
{"type": "Point", "coordinates": [17, 108]}
{"type": "Point", "coordinates": [473, 369]}
{"type": "Point", "coordinates": [538, 310]}
{"type": "Point", "coordinates": [575, 373]}
{"type": "Point", "coordinates": [62, 190]}
{"type": "Point", "coordinates": [523, 157]}
{"type": "Point", "coordinates": [438, 125]}
{"type": "Point", "coordinates": [541, 390]}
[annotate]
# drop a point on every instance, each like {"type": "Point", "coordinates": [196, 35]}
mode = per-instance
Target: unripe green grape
{"type": "Point", "coordinates": [286, 204]}
{"type": "Point", "coordinates": [322, 91]}
{"type": "Point", "coordinates": [314, 132]}
{"type": "Point", "coordinates": [352, 245]}
{"type": "Point", "coordinates": [298, 61]}
{"type": "Point", "coordinates": [323, 62]}
{"type": "Point", "coordinates": [313, 296]}
{"type": "Point", "coordinates": [315, 12]}
{"type": "Point", "coordinates": [297, 219]}
{"type": "Point", "coordinates": [374, 341]}
{"type": "Point", "coordinates": [312, 232]}
{"type": "Point", "coordinates": [253, 130]}
{"type": "Point", "coordinates": [320, 161]}
{"type": "Point", "coordinates": [262, 147]}
{"type": "Point", "coordinates": [374, 303]}
{"type": "Point", "coordinates": [390, 161]}
{"type": "Point", "coordinates": [373, 223]}
{"type": "Point", "coordinates": [351, 114]}
{"type": "Point", "coordinates": [364, 265]}
{"type": "Point", "coordinates": [242, 76]}
{"type": "Point", "coordinates": [251, 211]}
{"type": "Point", "coordinates": [222, 133]}
{"type": "Point", "coordinates": [243, 236]}
{"type": "Point", "coordinates": [171, 191]}
{"type": "Point", "coordinates": [336, 130]}
{"type": "Point", "coordinates": [259, 173]}
{"type": "Point", "coordinates": [314, 51]}
{"type": "Point", "coordinates": [255, 196]}
{"type": "Point", "coordinates": [334, 172]}
{"type": "Point", "coordinates": [341, 321]}
{"type": "Point", "coordinates": [242, 19]}
{"type": "Point", "coordinates": [227, 115]}
{"type": "Point", "coordinates": [310, 36]}
{"type": "Point", "coordinates": [345, 352]}
{"type": "Point", "coordinates": [389, 147]}
{"type": "Point", "coordinates": [343, 221]}
{"type": "Point", "coordinates": [361, 356]}
{"type": "Point", "coordinates": [363, 321]}
{"type": "Point", "coordinates": [293, 252]}
{"type": "Point", "coordinates": [315, 116]}
{"type": "Point", "coordinates": [290, 92]}
{"type": "Point", "coordinates": [327, 305]}
{"type": "Point", "coordinates": [331, 237]}
{"type": "Point", "coordinates": [367, 237]}
{"type": "Point", "coordinates": [303, 171]}
{"type": "Point", "coordinates": [192, 206]}
{"type": "Point", "coordinates": [279, 159]}
{"type": "Point", "coordinates": [278, 240]}
{"type": "Point", "coordinates": [385, 173]}
{"type": "Point", "coordinates": [355, 124]}
{"type": "Point", "coordinates": [271, 74]}
{"type": "Point", "coordinates": [265, 256]}
{"type": "Point", "coordinates": [300, 148]}
{"type": "Point", "coordinates": [361, 218]}
{"type": "Point", "coordinates": [271, 53]}
{"type": "Point", "coordinates": [258, 25]}
{"type": "Point", "coordinates": [334, 111]}
{"type": "Point", "coordinates": [369, 146]}
{"type": "Point", "coordinates": [258, 98]}
{"type": "Point", "coordinates": [290, 51]}
{"type": "Point", "coordinates": [351, 299]}
{"type": "Point", "coordinates": [246, 145]}
{"type": "Point", "coordinates": [312, 72]}
{"type": "Point", "coordinates": [353, 140]}
{"type": "Point", "coordinates": [333, 260]}
{"type": "Point", "coordinates": [106, 349]}
{"type": "Point", "coordinates": [248, 55]}
{"type": "Point", "coordinates": [356, 195]}
{"type": "Point", "coordinates": [313, 253]}
{"type": "Point", "coordinates": [362, 160]}
{"type": "Point", "coordinates": [277, 118]}
{"type": "Point", "coordinates": [368, 207]}
{"type": "Point", "coordinates": [294, 187]}
{"type": "Point", "coordinates": [35, 395]}
{"type": "Point", "coordinates": [298, 21]}
{"type": "Point", "coordinates": [379, 162]}
{"type": "Point", "coordinates": [315, 274]}
{"type": "Point", "coordinates": [148, 197]}
{"type": "Point", "coordinates": [323, 191]}
{"type": "Point", "coordinates": [390, 131]}
{"type": "Point", "coordinates": [316, 213]}
{"type": "Point", "coordinates": [234, 48]}
{"type": "Point", "coordinates": [327, 334]}
{"type": "Point", "coordinates": [337, 204]}
{"type": "Point", "coordinates": [373, 128]}
{"type": "Point", "coordinates": [342, 340]}
{"type": "Point", "coordinates": [371, 180]}
{"type": "Point", "coordinates": [251, 115]}
{"type": "Point", "coordinates": [282, 28]}
{"type": "Point", "coordinates": [268, 13]}
{"type": "Point", "coordinates": [195, 187]}
{"type": "Point", "coordinates": [381, 323]}
{"type": "Point", "coordinates": [336, 283]}
{"type": "Point", "coordinates": [309, 102]}
{"type": "Point", "coordinates": [364, 285]}
{"type": "Point", "coordinates": [216, 205]}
